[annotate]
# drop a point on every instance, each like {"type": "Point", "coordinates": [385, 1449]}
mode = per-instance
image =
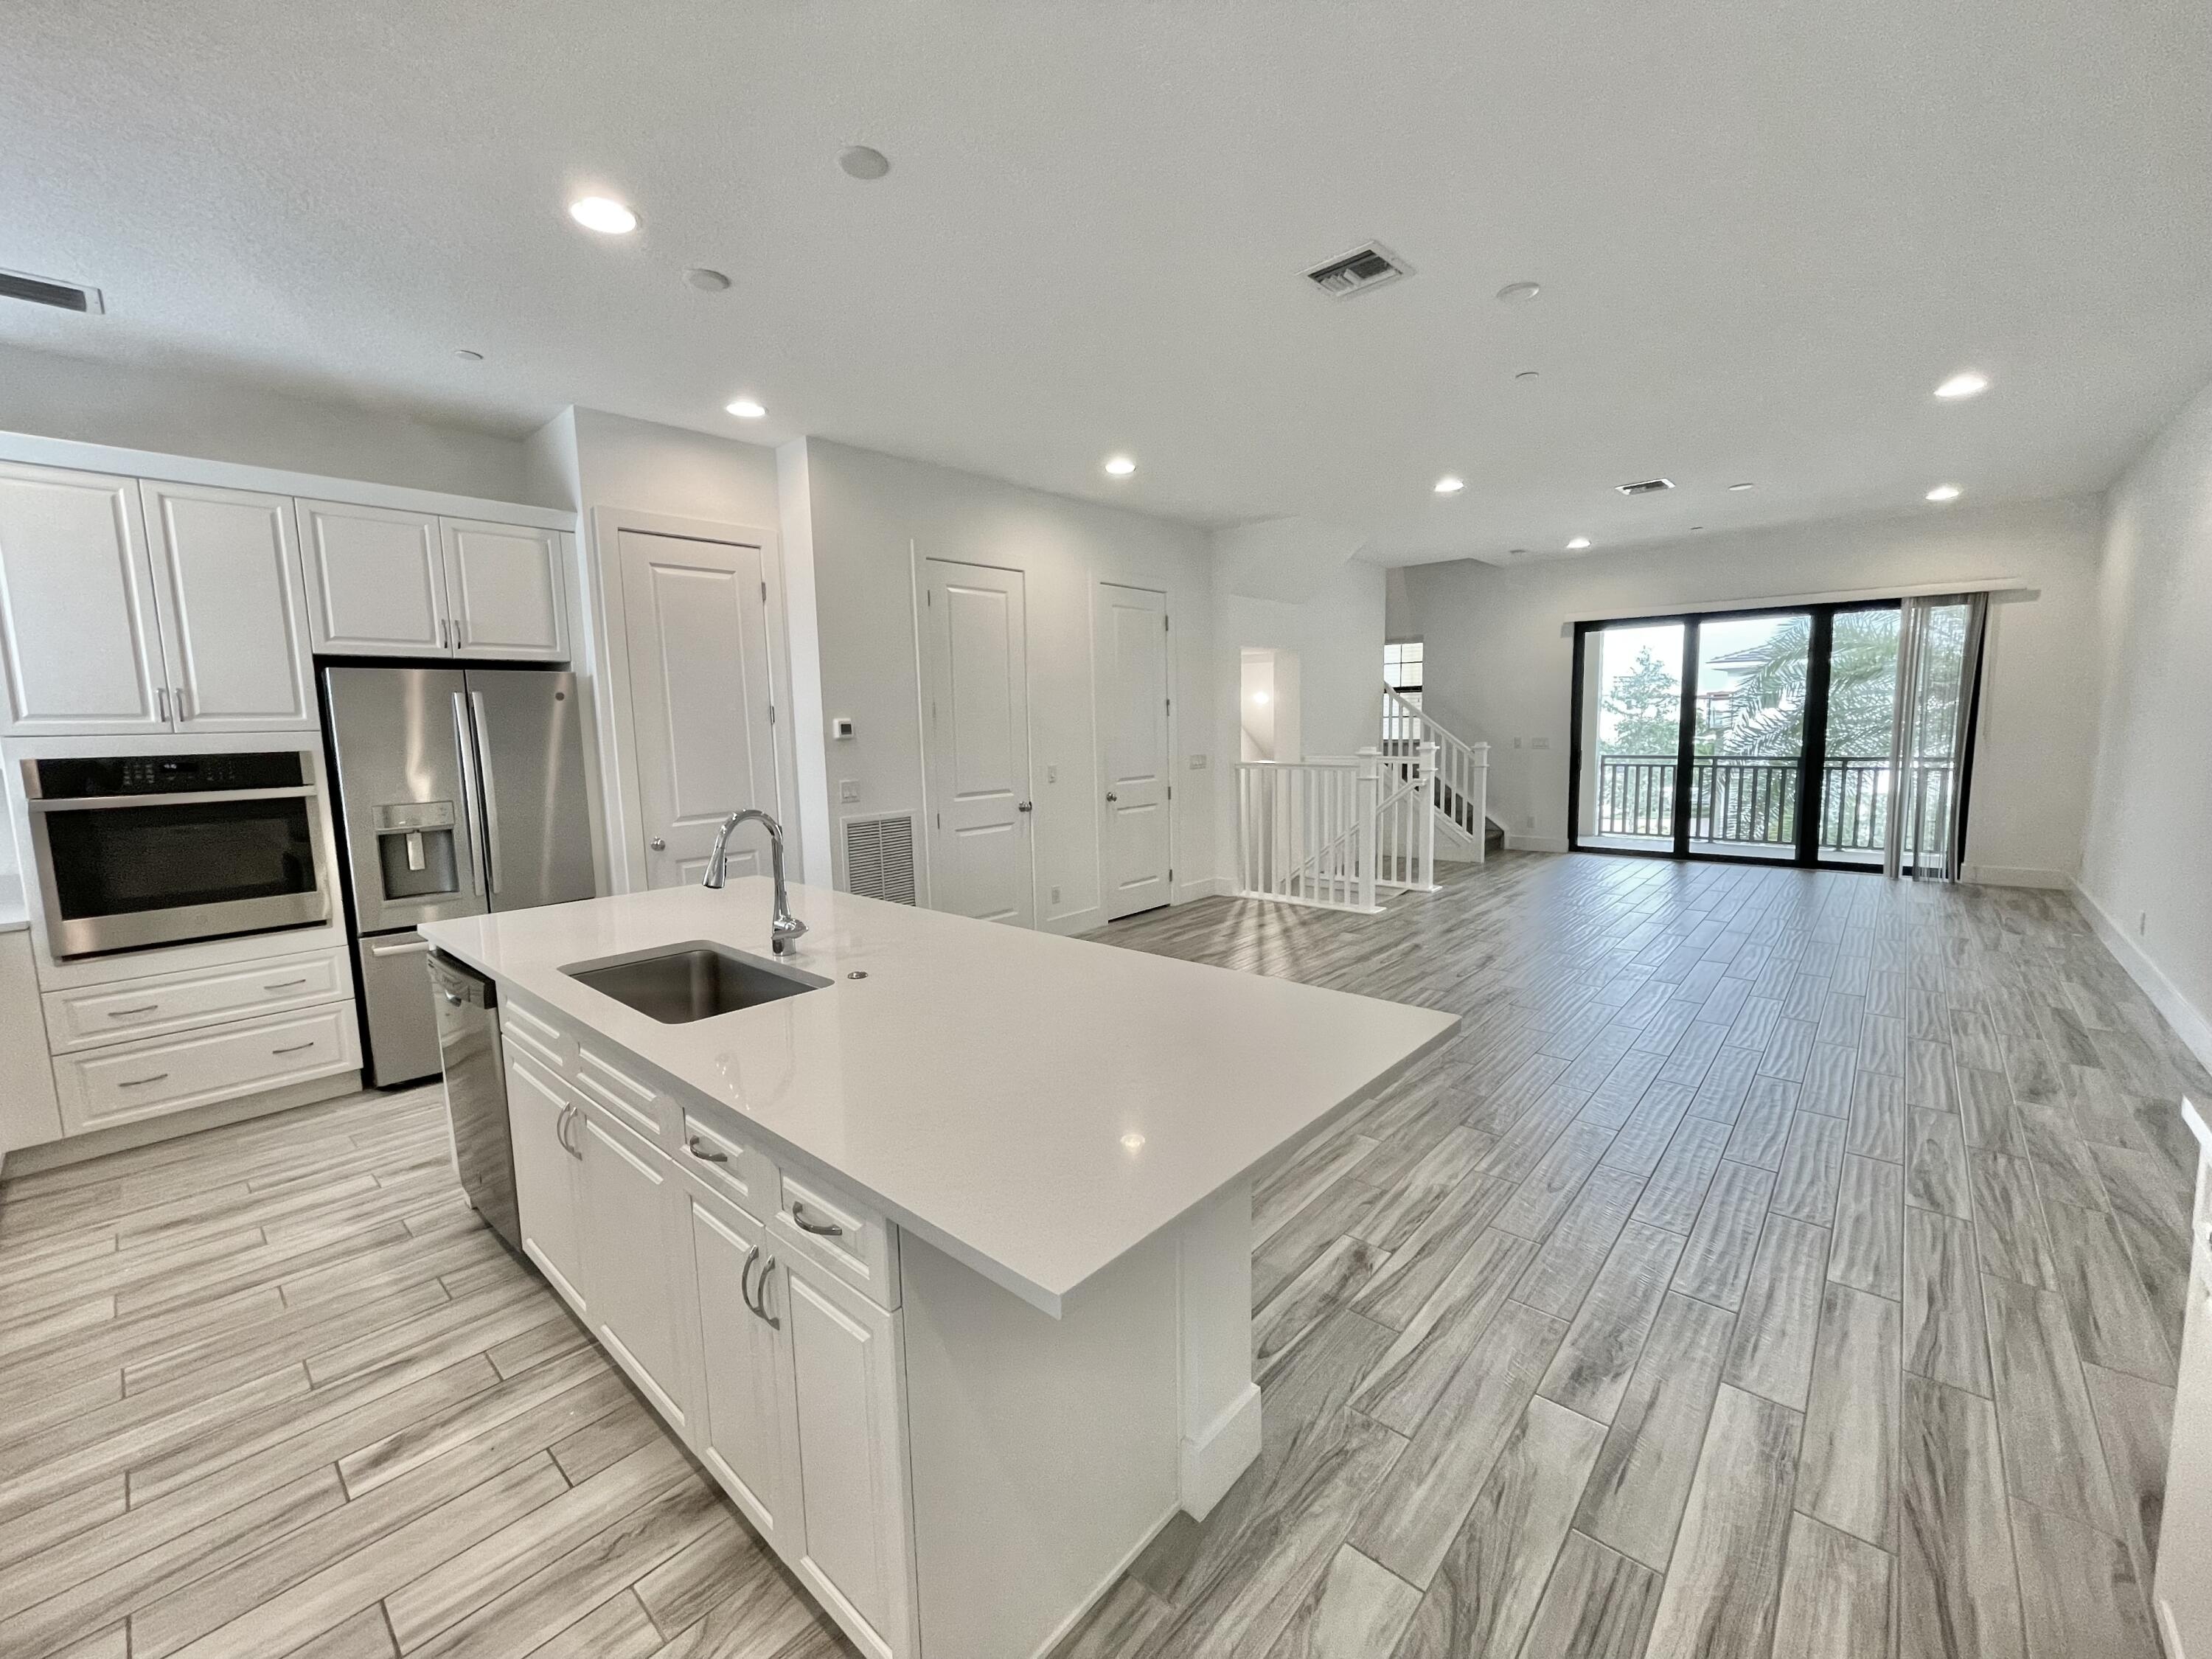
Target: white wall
{"type": "Point", "coordinates": [1499, 654]}
{"type": "Point", "coordinates": [2147, 859]}
{"type": "Point", "coordinates": [871, 518]}
{"type": "Point", "coordinates": [183, 412]}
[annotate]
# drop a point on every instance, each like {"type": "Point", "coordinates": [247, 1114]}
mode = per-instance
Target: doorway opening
{"type": "Point", "coordinates": [1829, 736]}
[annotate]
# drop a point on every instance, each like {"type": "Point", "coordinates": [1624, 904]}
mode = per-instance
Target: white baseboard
{"type": "Point", "coordinates": [1521, 841]}
{"type": "Point", "coordinates": [1075, 922]}
{"type": "Point", "coordinates": [1202, 887]}
{"type": "Point", "coordinates": [2012, 875]}
{"type": "Point", "coordinates": [2187, 1019]}
{"type": "Point", "coordinates": [1224, 1450]}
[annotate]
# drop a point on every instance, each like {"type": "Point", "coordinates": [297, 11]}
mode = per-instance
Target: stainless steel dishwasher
{"type": "Point", "coordinates": [476, 1093]}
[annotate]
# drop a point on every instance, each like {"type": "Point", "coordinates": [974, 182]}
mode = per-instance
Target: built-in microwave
{"type": "Point", "coordinates": [141, 850]}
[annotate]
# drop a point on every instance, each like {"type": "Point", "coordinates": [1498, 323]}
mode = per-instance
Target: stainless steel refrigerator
{"type": "Point", "coordinates": [459, 791]}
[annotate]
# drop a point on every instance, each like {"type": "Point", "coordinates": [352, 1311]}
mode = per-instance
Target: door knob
{"type": "Point", "coordinates": [1025, 806]}
{"type": "Point", "coordinates": [1110, 795]}
{"type": "Point", "coordinates": [658, 844]}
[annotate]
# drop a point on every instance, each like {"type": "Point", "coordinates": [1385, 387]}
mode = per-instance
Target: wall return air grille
{"type": "Point", "coordinates": [880, 856]}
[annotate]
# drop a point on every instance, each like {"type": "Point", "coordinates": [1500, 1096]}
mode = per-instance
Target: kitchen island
{"type": "Point", "coordinates": [940, 1260]}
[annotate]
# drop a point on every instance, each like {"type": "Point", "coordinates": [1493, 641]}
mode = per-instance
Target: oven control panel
{"type": "Point", "coordinates": [83, 777]}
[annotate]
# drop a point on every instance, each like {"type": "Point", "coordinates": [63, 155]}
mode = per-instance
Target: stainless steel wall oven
{"type": "Point", "coordinates": [142, 850]}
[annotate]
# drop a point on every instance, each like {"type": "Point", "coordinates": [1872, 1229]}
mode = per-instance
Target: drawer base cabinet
{"type": "Point", "coordinates": [949, 1472]}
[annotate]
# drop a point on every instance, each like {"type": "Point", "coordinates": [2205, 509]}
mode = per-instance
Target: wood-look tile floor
{"type": "Point", "coordinates": [274, 1389]}
{"type": "Point", "coordinates": [1773, 1263]}
{"type": "Point", "coordinates": [1776, 1263]}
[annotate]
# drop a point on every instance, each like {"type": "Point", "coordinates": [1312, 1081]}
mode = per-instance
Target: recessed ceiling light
{"type": "Point", "coordinates": [468, 356]}
{"type": "Point", "coordinates": [706, 281]}
{"type": "Point", "coordinates": [1743, 486]}
{"type": "Point", "coordinates": [1965, 384]}
{"type": "Point", "coordinates": [1133, 1141]}
{"type": "Point", "coordinates": [1120, 466]}
{"type": "Point", "coordinates": [746, 409]}
{"type": "Point", "coordinates": [1449, 485]}
{"type": "Point", "coordinates": [1944, 493]}
{"type": "Point", "coordinates": [862, 162]}
{"type": "Point", "coordinates": [1578, 543]}
{"type": "Point", "coordinates": [603, 213]}
{"type": "Point", "coordinates": [1514, 291]}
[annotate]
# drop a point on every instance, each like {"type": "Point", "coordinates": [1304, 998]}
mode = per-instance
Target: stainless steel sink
{"type": "Point", "coordinates": [697, 980]}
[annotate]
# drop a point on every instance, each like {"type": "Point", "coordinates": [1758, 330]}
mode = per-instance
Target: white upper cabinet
{"type": "Point", "coordinates": [233, 621]}
{"type": "Point", "coordinates": [376, 584]}
{"type": "Point", "coordinates": [503, 591]}
{"type": "Point", "coordinates": [78, 630]}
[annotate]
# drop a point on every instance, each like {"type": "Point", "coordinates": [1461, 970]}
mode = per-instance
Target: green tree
{"type": "Point", "coordinates": [1645, 706]}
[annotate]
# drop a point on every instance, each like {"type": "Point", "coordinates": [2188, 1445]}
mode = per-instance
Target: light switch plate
{"type": "Point", "coordinates": [1198, 763]}
{"type": "Point", "coordinates": [848, 789]}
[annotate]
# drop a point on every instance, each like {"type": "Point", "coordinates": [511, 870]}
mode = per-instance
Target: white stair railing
{"type": "Point", "coordinates": [1330, 833]}
{"type": "Point", "coordinates": [1462, 770]}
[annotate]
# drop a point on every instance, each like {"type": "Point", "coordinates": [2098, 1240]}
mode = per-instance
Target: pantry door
{"type": "Point", "coordinates": [1134, 846]}
{"type": "Point", "coordinates": [976, 730]}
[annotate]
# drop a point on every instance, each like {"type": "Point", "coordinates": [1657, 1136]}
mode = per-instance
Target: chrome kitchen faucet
{"type": "Point", "coordinates": [786, 928]}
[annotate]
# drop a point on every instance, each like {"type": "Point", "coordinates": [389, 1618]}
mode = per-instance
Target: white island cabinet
{"type": "Point", "coordinates": [941, 1265]}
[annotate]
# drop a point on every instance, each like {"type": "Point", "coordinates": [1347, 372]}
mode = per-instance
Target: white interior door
{"type": "Point", "coordinates": [976, 688]}
{"type": "Point", "coordinates": [1135, 846]}
{"type": "Point", "coordinates": [233, 621]}
{"type": "Point", "coordinates": [695, 619]}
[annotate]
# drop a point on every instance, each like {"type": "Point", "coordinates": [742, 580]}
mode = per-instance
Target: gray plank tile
{"type": "Point", "coordinates": [2134, 1419]}
{"type": "Point", "coordinates": [1772, 1353]}
{"type": "Point", "coordinates": [1835, 1595]}
{"type": "Point", "coordinates": [1725, 1580]}
{"type": "Point", "coordinates": [1762, 1125]}
{"type": "Point", "coordinates": [1357, 1611]}
{"type": "Point", "coordinates": [2114, 1324]}
{"type": "Point", "coordinates": [1943, 1337]}
{"type": "Point", "coordinates": [1986, 1108]}
{"type": "Point", "coordinates": [1591, 1370]}
{"type": "Point", "coordinates": [1935, 1163]}
{"type": "Point", "coordinates": [1599, 1605]}
{"type": "Point", "coordinates": [1869, 1241]}
{"type": "Point", "coordinates": [1633, 1501]}
{"type": "Point", "coordinates": [1676, 1190]}
{"type": "Point", "coordinates": [1957, 1596]}
{"type": "Point", "coordinates": [1805, 1186]}
{"type": "Point", "coordinates": [1421, 1365]}
{"type": "Point", "coordinates": [1877, 1124]}
{"type": "Point", "coordinates": [1542, 1198]}
{"type": "Point", "coordinates": [1848, 1475]}
{"type": "Point", "coordinates": [1718, 1259]}
{"type": "Point", "coordinates": [2051, 1455]}
{"type": "Point", "coordinates": [1564, 1268]}
{"type": "Point", "coordinates": [1419, 1265]}
{"type": "Point", "coordinates": [2079, 1592]}
{"type": "Point", "coordinates": [2008, 1227]}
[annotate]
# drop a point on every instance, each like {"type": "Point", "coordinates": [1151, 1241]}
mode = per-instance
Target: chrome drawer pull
{"type": "Point", "coordinates": [124, 1013]}
{"type": "Point", "coordinates": [296, 1049]}
{"type": "Point", "coordinates": [141, 1082]}
{"type": "Point", "coordinates": [705, 1155]}
{"type": "Point", "coordinates": [286, 984]}
{"type": "Point", "coordinates": [819, 1228]}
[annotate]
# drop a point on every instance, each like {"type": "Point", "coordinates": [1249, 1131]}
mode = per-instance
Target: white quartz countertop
{"type": "Point", "coordinates": [1034, 1106]}
{"type": "Point", "coordinates": [14, 915]}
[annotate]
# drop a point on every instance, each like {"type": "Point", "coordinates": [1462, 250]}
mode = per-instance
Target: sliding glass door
{"type": "Point", "coordinates": [1777, 735]}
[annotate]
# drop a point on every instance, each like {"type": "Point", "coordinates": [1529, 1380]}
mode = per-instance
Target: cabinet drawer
{"type": "Point", "coordinates": [730, 1168]}
{"type": "Point", "coordinates": [629, 1098]}
{"type": "Point", "coordinates": [522, 1024]}
{"type": "Point", "coordinates": [145, 1079]}
{"type": "Point", "coordinates": [841, 1233]}
{"type": "Point", "coordinates": [97, 1015]}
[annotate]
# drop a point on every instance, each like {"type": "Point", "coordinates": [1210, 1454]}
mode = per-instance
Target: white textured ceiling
{"type": "Point", "coordinates": [1765, 229]}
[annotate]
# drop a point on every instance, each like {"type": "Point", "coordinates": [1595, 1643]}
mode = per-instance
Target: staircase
{"type": "Point", "coordinates": [1460, 788]}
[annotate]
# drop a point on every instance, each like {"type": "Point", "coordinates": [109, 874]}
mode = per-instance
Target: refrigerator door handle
{"type": "Point", "coordinates": [486, 786]}
{"type": "Point", "coordinates": [464, 749]}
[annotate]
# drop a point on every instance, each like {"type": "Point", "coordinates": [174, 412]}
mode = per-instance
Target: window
{"type": "Point", "coordinates": [1401, 669]}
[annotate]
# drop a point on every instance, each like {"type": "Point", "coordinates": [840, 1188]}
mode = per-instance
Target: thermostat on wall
{"type": "Point", "coordinates": [840, 727]}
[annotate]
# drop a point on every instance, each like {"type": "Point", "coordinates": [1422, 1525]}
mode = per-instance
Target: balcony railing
{"type": "Point", "coordinates": [1752, 801]}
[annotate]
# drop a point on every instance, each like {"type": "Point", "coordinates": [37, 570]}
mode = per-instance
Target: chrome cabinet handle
{"type": "Point", "coordinates": [141, 1082]}
{"type": "Point", "coordinates": [819, 1228]}
{"type": "Point", "coordinates": [184, 706]}
{"type": "Point", "coordinates": [760, 1303]}
{"type": "Point", "coordinates": [296, 1049]}
{"type": "Point", "coordinates": [124, 1013]}
{"type": "Point", "coordinates": [704, 1154]}
{"type": "Point", "coordinates": [286, 984]}
{"type": "Point", "coordinates": [161, 702]}
{"type": "Point", "coordinates": [745, 1279]}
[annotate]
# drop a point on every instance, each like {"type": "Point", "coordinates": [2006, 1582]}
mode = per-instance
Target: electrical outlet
{"type": "Point", "coordinates": [1055, 895]}
{"type": "Point", "coordinates": [848, 790]}
{"type": "Point", "coordinates": [1540, 743]}
{"type": "Point", "coordinates": [1198, 763]}
{"type": "Point", "coordinates": [1528, 820]}
{"type": "Point", "coordinates": [1052, 775]}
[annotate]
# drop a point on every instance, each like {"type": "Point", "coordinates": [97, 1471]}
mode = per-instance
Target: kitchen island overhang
{"type": "Point", "coordinates": [1060, 1141]}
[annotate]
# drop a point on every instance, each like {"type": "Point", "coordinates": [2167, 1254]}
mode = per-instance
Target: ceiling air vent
{"type": "Point", "coordinates": [880, 856]}
{"type": "Point", "coordinates": [1355, 273]}
{"type": "Point", "coordinates": [1649, 487]}
{"type": "Point", "coordinates": [42, 291]}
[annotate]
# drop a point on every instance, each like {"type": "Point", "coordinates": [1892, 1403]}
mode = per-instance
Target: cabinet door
{"type": "Point", "coordinates": [852, 1456]}
{"type": "Point", "coordinates": [79, 636]}
{"type": "Point", "coordinates": [233, 619]}
{"type": "Point", "coordinates": [376, 584]}
{"type": "Point", "coordinates": [544, 1124]}
{"type": "Point", "coordinates": [638, 1267]}
{"type": "Point", "coordinates": [503, 591]}
{"type": "Point", "coordinates": [746, 1433]}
